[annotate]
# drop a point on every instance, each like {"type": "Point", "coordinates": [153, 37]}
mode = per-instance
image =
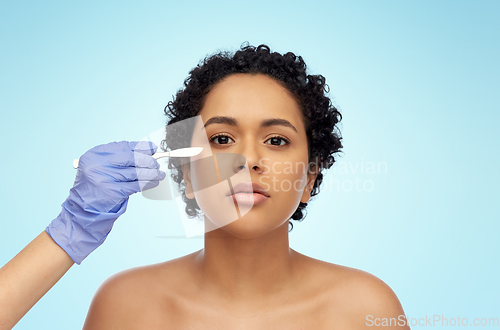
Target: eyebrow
{"type": "Point", "coordinates": [264, 123]}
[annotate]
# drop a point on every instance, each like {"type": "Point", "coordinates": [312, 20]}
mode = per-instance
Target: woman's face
{"type": "Point", "coordinates": [256, 117]}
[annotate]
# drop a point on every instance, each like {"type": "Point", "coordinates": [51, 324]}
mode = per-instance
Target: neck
{"type": "Point", "coordinates": [246, 269]}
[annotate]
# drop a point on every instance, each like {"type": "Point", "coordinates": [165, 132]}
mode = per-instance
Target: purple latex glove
{"type": "Point", "coordinates": [107, 175]}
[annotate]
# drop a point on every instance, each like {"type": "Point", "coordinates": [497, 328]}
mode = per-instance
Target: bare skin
{"type": "Point", "coordinates": [171, 295]}
{"type": "Point", "coordinates": [247, 277]}
{"type": "Point", "coordinates": [28, 276]}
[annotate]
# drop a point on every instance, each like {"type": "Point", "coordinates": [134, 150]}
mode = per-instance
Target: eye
{"type": "Point", "coordinates": [277, 140]}
{"type": "Point", "coordinates": [223, 138]}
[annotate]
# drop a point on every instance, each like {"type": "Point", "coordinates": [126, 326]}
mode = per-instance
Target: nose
{"type": "Point", "coordinates": [248, 155]}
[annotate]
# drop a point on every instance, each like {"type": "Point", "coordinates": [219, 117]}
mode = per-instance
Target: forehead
{"type": "Point", "coordinates": [252, 98]}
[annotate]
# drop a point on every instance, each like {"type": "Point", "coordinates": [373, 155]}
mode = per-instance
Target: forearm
{"type": "Point", "coordinates": [28, 276]}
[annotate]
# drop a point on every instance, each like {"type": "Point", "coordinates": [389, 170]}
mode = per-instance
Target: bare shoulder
{"type": "Point", "coordinates": [132, 299]}
{"type": "Point", "coordinates": [356, 298]}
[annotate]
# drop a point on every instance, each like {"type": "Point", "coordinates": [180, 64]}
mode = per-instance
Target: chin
{"type": "Point", "coordinates": [249, 227]}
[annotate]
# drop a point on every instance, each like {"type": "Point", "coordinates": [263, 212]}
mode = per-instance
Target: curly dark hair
{"type": "Point", "coordinates": [320, 116]}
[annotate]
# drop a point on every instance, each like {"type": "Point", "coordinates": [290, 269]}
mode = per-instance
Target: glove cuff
{"type": "Point", "coordinates": [78, 233]}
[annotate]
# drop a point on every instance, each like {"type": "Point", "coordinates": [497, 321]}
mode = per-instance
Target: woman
{"type": "Point", "coordinates": [263, 106]}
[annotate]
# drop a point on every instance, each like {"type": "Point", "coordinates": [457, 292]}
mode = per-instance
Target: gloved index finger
{"type": "Point", "coordinates": [146, 161]}
{"type": "Point", "coordinates": [144, 147]}
{"type": "Point", "coordinates": [132, 159]}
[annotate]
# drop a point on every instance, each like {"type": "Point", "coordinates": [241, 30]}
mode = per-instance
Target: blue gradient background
{"type": "Point", "coordinates": [417, 83]}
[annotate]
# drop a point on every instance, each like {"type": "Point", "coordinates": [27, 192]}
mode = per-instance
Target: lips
{"type": "Point", "coordinates": [248, 187]}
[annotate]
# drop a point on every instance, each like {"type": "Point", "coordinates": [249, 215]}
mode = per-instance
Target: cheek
{"type": "Point", "coordinates": [285, 177]}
